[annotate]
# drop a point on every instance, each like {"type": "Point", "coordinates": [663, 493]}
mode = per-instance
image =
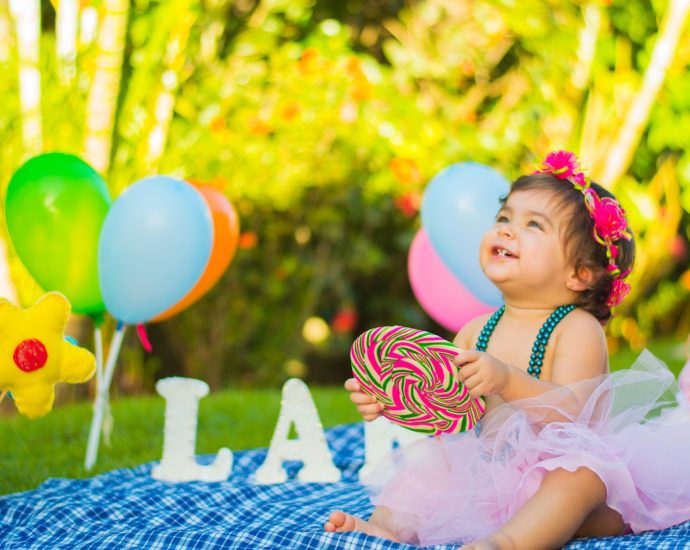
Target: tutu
{"type": "Point", "coordinates": [627, 427]}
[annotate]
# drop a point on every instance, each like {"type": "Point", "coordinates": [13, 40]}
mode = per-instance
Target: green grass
{"type": "Point", "coordinates": [55, 445]}
{"type": "Point", "coordinates": [670, 352]}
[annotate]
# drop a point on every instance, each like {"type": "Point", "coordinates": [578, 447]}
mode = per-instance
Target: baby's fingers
{"type": "Point", "coordinates": [475, 386]}
{"type": "Point", "coordinates": [466, 356]}
{"type": "Point", "coordinates": [352, 385]}
{"type": "Point", "coordinates": [361, 398]}
{"type": "Point", "coordinates": [370, 412]}
{"type": "Point", "coordinates": [466, 371]}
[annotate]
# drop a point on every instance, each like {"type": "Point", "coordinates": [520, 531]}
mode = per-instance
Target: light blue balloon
{"type": "Point", "coordinates": [459, 206]}
{"type": "Point", "coordinates": [154, 246]}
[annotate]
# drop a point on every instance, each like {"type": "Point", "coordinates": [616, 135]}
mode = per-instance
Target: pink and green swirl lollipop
{"type": "Point", "coordinates": [411, 372]}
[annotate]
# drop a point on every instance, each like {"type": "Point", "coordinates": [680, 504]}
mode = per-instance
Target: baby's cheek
{"type": "Point", "coordinates": [484, 247]}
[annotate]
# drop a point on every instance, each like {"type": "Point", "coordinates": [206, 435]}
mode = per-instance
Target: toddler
{"type": "Point", "coordinates": [566, 449]}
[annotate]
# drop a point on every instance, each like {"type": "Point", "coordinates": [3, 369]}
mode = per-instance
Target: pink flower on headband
{"type": "Point", "coordinates": [562, 164]}
{"type": "Point", "coordinates": [579, 180]}
{"type": "Point", "coordinates": [619, 290]}
{"type": "Point", "coordinates": [609, 218]}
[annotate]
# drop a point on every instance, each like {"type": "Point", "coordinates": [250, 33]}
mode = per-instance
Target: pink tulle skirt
{"type": "Point", "coordinates": [629, 427]}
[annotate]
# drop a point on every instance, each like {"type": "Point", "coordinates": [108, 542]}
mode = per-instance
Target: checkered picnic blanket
{"type": "Point", "coordinates": [127, 508]}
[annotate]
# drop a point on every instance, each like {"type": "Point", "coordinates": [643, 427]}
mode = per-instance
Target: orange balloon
{"type": "Point", "coordinates": [226, 230]}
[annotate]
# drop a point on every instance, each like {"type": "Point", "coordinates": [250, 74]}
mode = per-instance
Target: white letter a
{"type": "Point", "coordinates": [310, 446]}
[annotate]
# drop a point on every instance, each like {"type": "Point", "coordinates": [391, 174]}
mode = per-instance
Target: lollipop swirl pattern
{"type": "Point", "coordinates": [411, 373]}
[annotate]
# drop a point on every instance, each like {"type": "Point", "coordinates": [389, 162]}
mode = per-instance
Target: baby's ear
{"type": "Point", "coordinates": [580, 280]}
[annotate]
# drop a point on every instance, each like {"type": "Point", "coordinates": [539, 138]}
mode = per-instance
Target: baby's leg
{"type": "Point", "coordinates": [340, 522]}
{"type": "Point", "coordinates": [564, 502]}
{"type": "Point", "coordinates": [603, 522]}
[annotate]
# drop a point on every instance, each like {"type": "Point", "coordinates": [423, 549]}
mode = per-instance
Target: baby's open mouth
{"type": "Point", "coordinates": [502, 252]}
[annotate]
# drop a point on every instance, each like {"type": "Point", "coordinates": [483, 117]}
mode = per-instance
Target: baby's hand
{"type": "Point", "coordinates": [481, 373]}
{"type": "Point", "coordinates": [368, 407]}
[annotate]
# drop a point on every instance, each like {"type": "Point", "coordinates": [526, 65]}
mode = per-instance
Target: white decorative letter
{"type": "Point", "coordinates": [379, 437]}
{"type": "Point", "coordinates": [298, 407]}
{"type": "Point", "coordinates": [182, 397]}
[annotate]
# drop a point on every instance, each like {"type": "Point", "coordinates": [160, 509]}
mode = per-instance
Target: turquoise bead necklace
{"type": "Point", "coordinates": [536, 359]}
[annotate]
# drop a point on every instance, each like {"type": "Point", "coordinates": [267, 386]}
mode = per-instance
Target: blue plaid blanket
{"type": "Point", "coordinates": [129, 509]}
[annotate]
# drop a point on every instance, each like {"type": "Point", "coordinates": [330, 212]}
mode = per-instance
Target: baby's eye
{"type": "Point", "coordinates": [536, 224]}
{"type": "Point", "coordinates": [501, 218]}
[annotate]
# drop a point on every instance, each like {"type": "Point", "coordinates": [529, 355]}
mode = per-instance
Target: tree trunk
{"type": "Point", "coordinates": [105, 87]}
{"type": "Point", "coordinates": [66, 40]}
{"type": "Point", "coordinates": [27, 19]}
{"type": "Point", "coordinates": [628, 136]}
{"type": "Point", "coordinates": [6, 39]}
{"type": "Point", "coordinates": [7, 289]}
{"type": "Point", "coordinates": [173, 63]}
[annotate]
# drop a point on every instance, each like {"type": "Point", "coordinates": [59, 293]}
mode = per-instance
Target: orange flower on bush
{"type": "Point", "coordinates": [405, 170]}
{"type": "Point", "coordinates": [361, 87]}
{"type": "Point", "coordinates": [344, 320]}
{"type": "Point", "coordinates": [361, 91]}
{"type": "Point", "coordinates": [217, 124]}
{"type": "Point", "coordinates": [409, 203]}
{"type": "Point", "coordinates": [678, 248]}
{"type": "Point", "coordinates": [353, 68]}
{"type": "Point", "coordinates": [309, 61]}
{"type": "Point", "coordinates": [248, 240]}
{"type": "Point", "coordinates": [290, 110]}
{"type": "Point", "coordinates": [467, 67]}
{"type": "Point", "coordinates": [259, 127]}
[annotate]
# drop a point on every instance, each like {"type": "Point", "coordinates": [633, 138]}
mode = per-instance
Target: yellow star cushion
{"type": "Point", "coordinates": [34, 355]}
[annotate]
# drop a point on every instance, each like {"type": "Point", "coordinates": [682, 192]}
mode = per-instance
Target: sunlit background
{"type": "Point", "coordinates": [322, 122]}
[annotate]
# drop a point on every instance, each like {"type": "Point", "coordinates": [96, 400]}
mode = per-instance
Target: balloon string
{"type": "Point", "coordinates": [144, 339]}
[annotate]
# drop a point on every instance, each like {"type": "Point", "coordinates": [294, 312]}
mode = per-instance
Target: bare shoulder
{"type": "Point", "coordinates": [581, 326]}
{"type": "Point", "coordinates": [581, 350]}
{"type": "Point", "coordinates": [468, 334]}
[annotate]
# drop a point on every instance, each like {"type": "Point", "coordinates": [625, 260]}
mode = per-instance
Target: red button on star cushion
{"type": "Point", "coordinates": [30, 355]}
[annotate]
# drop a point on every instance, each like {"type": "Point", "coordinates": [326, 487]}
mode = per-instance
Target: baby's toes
{"type": "Point", "coordinates": [339, 522]}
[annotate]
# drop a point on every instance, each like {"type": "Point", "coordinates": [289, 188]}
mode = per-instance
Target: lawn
{"type": "Point", "coordinates": [54, 446]}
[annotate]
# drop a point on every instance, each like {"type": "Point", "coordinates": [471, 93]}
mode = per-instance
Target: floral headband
{"type": "Point", "coordinates": [610, 224]}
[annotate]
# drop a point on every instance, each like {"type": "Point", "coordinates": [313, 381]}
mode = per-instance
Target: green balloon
{"type": "Point", "coordinates": [55, 206]}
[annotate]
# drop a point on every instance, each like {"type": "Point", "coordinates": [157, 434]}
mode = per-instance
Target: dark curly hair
{"type": "Point", "coordinates": [581, 250]}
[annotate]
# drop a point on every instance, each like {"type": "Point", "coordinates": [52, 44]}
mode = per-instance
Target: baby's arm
{"type": "Point", "coordinates": [580, 353]}
{"type": "Point", "coordinates": [465, 337]}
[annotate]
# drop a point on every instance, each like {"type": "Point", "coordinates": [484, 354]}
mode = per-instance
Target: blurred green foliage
{"type": "Point", "coordinates": [323, 122]}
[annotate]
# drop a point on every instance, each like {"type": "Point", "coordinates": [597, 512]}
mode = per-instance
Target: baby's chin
{"type": "Point", "coordinates": [497, 275]}
{"type": "Point", "coordinates": [508, 284]}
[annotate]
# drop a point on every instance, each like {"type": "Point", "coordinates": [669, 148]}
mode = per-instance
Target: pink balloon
{"type": "Point", "coordinates": [437, 290]}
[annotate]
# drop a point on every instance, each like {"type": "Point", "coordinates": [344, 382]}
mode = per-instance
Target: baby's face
{"type": "Point", "coordinates": [522, 254]}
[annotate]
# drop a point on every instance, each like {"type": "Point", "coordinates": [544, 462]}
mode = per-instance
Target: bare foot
{"type": "Point", "coordinates": [340, 522]}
